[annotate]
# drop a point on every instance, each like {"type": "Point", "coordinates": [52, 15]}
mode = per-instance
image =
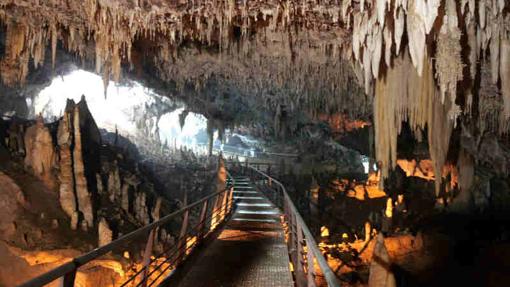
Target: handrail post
{"type": "Point", "coordinates": [68, 279]}
{"type": "Point", "coordinates": [224, 205]}
{"type": "Point", "coordinates": [292, 242]}
{"type": "Point", "coordinates": [300, 272]}
{"type": "Point", "coordinates": [147, 258]}
{"type": "Point", "coordinates": [310, 274]}
{"type": "Point", "coordinates": [182, 236]}
{"type": "Point", "coordinates": [215, 210]}
{"type": "Point", "coordinates": [230, 199]}
{"type": "Point", "coordinates": [203, 216]}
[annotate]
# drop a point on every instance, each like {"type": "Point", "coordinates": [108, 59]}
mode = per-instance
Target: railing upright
{"type": "Point", "coordinates": [172, 256]}
{"type": "Point", "coordinates": [147, 257]}
{"type": "Point", "coordinates": [203, 217]}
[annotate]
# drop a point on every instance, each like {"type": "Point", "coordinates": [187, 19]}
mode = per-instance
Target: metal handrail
{"type": "Point", "coordinates": [299, 229]}
{"type": "Point", "coordinates": [67, 271]}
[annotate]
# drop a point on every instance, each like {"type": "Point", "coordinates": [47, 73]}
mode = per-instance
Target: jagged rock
{"type": "Point", "coordinates": [125, 197]}
{"type": "Point", "coordinates": [83, 195]}
{"type": "Point", "coordinates": [155, 213]}
{"type": "Point", "coordinates": [54, 223]}
{"type": "Point", "coordinates": [100, 188]}
{"type": "Point", "coordinates": [75, 218]}
{"type": "Point", "coordinates": [40, 152]}
{"type": "Point", "coordinates": [380, 275]}
{"type": "Point", "coordinates": [78, 144]}
{"type": "Point", "coordinates": [66, 177]}
{"type": "Point", "coordinates": [10, 230]}
{"type": "Point", "coordinates": [15, 141]}
{"type": "Point", "coordinates": [12, 192]}
{"type": "Point", "coordinates": [84, 225]}
{"type": "Point", "coordinates": [141, 209]}
{"type": "Point", "coordinates": [38, 233]}
{"type": "Point", "coordinates": [114, 182]}
{"type": "Point", "coordinates": [104, 232]}
{"type": "Point", "coordinates": [221, 177]}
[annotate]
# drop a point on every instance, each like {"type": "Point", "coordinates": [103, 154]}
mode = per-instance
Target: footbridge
{"type": "Point", "coordinates": [249, 234]}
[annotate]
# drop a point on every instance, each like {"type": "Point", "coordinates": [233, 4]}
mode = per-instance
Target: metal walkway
{"type": "Point", "coordinates": [250, 250]}
{"type": "Point", "coordinates": [262, 240]}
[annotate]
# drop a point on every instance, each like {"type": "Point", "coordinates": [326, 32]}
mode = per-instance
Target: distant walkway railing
{"type": "Point", "coordinates": [310, 266]}
{"type": "Point", "coordinates": [213, 210]}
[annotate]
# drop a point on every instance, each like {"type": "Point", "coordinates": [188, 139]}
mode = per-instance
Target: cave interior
{"type": "Point", "coordinates": [388, 121]}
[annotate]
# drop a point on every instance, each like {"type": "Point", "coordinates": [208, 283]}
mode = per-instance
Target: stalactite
{"type": "Point", "coordinates": [54, 39]}
{"type": "Point", "coordinates": [504, 124]}
{"type": "Point", "coordinates": [403, 95]}
{"type": "Point", "coordinates": [448, 58]}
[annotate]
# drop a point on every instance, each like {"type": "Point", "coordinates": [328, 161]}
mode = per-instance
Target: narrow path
{"type": "Point", "coordinates": [250, 251]}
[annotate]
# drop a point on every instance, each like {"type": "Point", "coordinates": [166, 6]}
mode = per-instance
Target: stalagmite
{"type": "Point", "coordinates": [114, 184]}
{"type": "Point", "coordinates": [155, 213]}
{"type": "Point", "coordinates": [380, 274]}
{"type": "Point", "coordinates": [40, 153]}
{"type": "Point", "coordinates": [368, 231]}
{"type": "Point", "coordinates": [65, 140]}
{"type": "Point", "coordinates": [125, 197]}
{"type": "Point", "coordinates": [82, 193]}
{"type": "Point", "coordinates": [105, 234]}
{"type": "Point", "coordinates": [462, 202]}
{"type": "Point", "coordinates": [389, 208]}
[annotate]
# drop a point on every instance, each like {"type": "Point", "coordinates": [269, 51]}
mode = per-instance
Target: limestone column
{"type": "Point", "coordinates": [82, 193]}
{"type": "Point", "coordinates": [66, 190]}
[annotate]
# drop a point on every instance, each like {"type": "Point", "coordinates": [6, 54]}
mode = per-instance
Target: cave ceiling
{"type": "Point", "coordinates": [439, 65]}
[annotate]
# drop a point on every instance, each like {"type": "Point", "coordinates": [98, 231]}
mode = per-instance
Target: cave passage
{"type": "Point", "coordinates": [386, 123]}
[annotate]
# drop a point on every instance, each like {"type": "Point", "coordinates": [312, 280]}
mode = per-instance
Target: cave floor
{"type": "Point", "coordinates": [249, 251]}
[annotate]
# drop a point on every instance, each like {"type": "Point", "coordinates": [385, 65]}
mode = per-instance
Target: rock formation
{"type": "Point", "coordinates": [380, 268]}
{"type": "Point", "coordinates": [40, 152]}
{"type": "Point", "coordinates": [83, 195]}
{"type": "Point", "coordinates": [66, 175]}
{"type": "Point", "coordinates": [77, 171]}
{"type": "Point", "coordinates": [104, 232]}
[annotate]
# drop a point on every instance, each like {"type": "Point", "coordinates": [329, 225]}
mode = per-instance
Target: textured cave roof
{"type": "Point", "coordinates": [439, 65]}
{"type": "Point", "coordinates": [197, 49]}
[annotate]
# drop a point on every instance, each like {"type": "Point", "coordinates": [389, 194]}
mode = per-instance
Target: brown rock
{"type": "Point", "coordinates": [114, 182]}
{"type": "Point", "coordinates": [11, 199]}
{"type": "Point", "coordinates": [75, 220]}
{"type": "Point", "coordinates": [380, 276]}
{"type": "Point", "coordinates": [64, 139]}
{"type": "Point", "coordinates": [156, 210]}
{"type": "Point", "coordinates": [82, 193]}
{"type": "Point", "coordinates": [104, 232]}
{"type": "Point", "coordinates": [125, 197]}
{"type": "Point", "coordinates": [100, 188]}
{"type": "Point", "coordinates": [40, 152]}
{"type": "Point", "coordinates": [54, 223]}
